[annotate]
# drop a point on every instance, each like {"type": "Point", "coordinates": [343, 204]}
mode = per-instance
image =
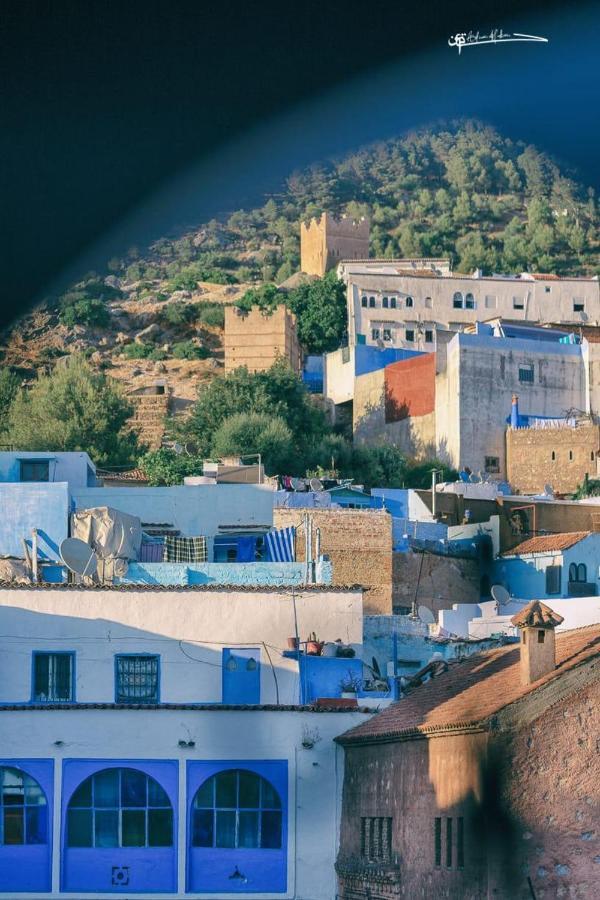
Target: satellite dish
{"type": "Point", "coordinates": [500, 594]}
{"type": "Point", "coordinates": [78, 556]}
{"type": "Point", "coordinates": [315, 484]}
{"type": "Point", "coordinates": [548, 490]}
{"type": "Point", "coordinates": [295, 483]}
{"type": "Point", "coordinates": [426, 616]}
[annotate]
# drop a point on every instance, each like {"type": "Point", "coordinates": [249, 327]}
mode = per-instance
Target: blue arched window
{"type": "Point", "coordinates": [119, 807]}
{"type": "Point", "coordinates": [238, 809]}
{"type": "Point", "coordinates": [23, 809]}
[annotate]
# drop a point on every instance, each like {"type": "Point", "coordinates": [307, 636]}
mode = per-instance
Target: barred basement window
{"type": "Point", "coordinates": [376, 838]}
{"type": "Point", "coordinates": [137, 679]}
{"type": "Point", "coordinates": [449, 843]}
{"type": "Point", "coordinates": [526, 374]}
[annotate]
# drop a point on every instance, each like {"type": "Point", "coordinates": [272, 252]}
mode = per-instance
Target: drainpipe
{"type": "Point", "coordinates": [34, 554]}
{"type": "Point", "coordinates": [433, 498]}
{"type": "Point", "coordinates": [514, 411]}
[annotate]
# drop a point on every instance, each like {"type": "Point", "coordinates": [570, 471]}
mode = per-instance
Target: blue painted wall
{"type": "Point", "coordinates": [320, 676]}
{"type": "Point", "coordinates": [209, 868]}
{"type": "Point", "coordinates": [75, 468]}
{"type": "Point", "coordinates": [370, 359]}
{"type": "Point", "coordinates": [28, 867]}
{"type": "Point", "coordinates": [33, 505]}
{"type": "Point", "coordinates": [312, 374]}
{"type": "Point", "coordinates": [267, 573]}
{"type": "Point", "coordinates": [150, 869]}
{"type": "Point", "coordinates": [525, 577]}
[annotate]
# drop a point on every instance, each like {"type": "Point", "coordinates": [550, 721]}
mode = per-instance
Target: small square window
{"type": "Point", "coordinates": [547, 289]}
{"type": "Point", "coordinates": [52, 677]}
{"type": "Point", "coordinates": [137, 679]}
{"type": "Point", "coordinates": [410, 335]}
{"type": "Point", "coordinates": [578, 306]}
{"type": "Point", "coordinates": [526, 374]}
{"type": "Point", "coordinates": [428, 336]}
{"type": "Point", "coordinates": [35, 470]}
{"type": "Point", "coordinates": [428, 303]}
{"type": "Point", "coordinates": [492, 464]}
{"type": "Point", "coordinates": [518, 303]}
{"type": "Point", "coordinates": [541, 637]}
{"type": "Point", "coordinates": [491, 301]}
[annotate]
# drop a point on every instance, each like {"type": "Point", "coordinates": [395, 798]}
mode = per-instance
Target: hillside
{"type": "Point", "coordinates": [462, 190]}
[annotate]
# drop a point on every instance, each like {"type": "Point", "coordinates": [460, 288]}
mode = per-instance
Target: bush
{"type": "Point", "coordinates": [165, 467]}
{"type": "Point", "coordinates": [189, 350]}
{"type": "Point", "coordinates": [211, 314]}
{"type": "Point", "coordinates": [137, 351]}
{"type": "Point", "coordinates": [179, 313]}
{"type": "Point", "coordinates": [85, 312]}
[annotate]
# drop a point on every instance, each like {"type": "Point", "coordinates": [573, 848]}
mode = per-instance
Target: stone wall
{"type": "Point", "coordinates": [256, 339]}
{"type": "Point", "coordinates": [359, 544]}
{"type": "Point", "coordinates": [148, 419]}
{"type": "Point", "coordinates": [560, 457]}
{"type": "Point", "coordinates": [326, 241]}
{"type": "Point", "coordinates": [436, 581]}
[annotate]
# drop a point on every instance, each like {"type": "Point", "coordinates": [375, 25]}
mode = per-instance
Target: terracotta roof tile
{"type": "Point", "coordinates": [472, 691]}
{"type": "Point", "coordinates": [536, 615]}
{"type": "Point", "coordinates": [547, 543]}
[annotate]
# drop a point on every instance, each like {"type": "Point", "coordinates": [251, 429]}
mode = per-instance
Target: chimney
{"type": "Point", "coordinates": [537, 622]}
{"type": "Point", "coordinates": [514, 412]}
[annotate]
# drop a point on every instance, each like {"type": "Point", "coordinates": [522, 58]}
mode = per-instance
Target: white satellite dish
{"type": "Point", "coordinates": [78, 556]}
{"type": "Point", "coordinates": [500, 594]}
{"type": "Point", "coordinates": [426, 616]}
{"type": "Point", "coordinates": [315, 484]}
{"type": "Point", "coordinates": [548, 490]}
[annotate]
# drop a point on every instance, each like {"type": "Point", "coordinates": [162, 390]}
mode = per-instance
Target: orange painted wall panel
{"type": "Point", "coordinates": [410, 388]}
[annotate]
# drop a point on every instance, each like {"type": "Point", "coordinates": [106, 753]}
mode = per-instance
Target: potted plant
{"type": "Point", "coordinates": [350, 685]}
{"type": "Point", "coordinates": [313, 645]}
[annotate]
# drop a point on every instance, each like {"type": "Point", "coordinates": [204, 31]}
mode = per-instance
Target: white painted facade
{"type": "Point", "coordinates": [77, 469]}
{"type": "Point", "coordinates": [315, 773]}
{"type": "Point", "coordinates": [482, 620]}
{"type": "Point", "coordinates": [187, 628]}
{"type": "Point", "coordinates": [449, 302]}
{"type": "Point", "coordinates": [203, 509]}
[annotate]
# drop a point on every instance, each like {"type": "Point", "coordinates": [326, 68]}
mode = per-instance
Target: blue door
{"type": "Point", "coordinates": [241, 675]}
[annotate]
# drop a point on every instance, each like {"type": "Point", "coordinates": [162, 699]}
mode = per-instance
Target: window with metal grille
{"type": "Point", "coordinates": [34, 470]}
{"type": "Point", "coordinates": [526, 374]}
{"type": "Point", "coordinates": [23, 809]}
{"type": "Point", "coordinates": [492, 463]}
{"type": "Point", "coordinates": [449, 842]}
{"type": "Point", "coordinates": [137, 679]}
{"type": "Point", "coordinates": [376, 838]}
{"type": "Point", "coordinates": [553, 579]}
{"type": "Point", "coordinates": [237, 809]}
{"type": "Point", "coordinates": [120, 808]}
{"type": "Point", "coordinates": [53, 677]}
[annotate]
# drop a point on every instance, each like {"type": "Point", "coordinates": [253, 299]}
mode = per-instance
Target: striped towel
{"type": "Point", "coordinates": [281, 544]}
{"type": "Point", "coordinates": [152, 551]}
{"type": "Point", "coordinates": [185, 549]}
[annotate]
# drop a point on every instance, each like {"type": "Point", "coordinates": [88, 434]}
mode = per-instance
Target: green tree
{"type": "Point", "coordinates": [320, 308]}
{"type": "Point", "coordinates": [249, 433]}
{"type": "Point", "coordinates": [165, 467]}
{"type": "Point", "coordinates": [74, 408]}
{"type": "Point", "coordinates": [9, 386]}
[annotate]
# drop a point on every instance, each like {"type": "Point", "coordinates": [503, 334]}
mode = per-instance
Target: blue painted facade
{"type": "Point", "coordinates": [525, 577]}
{"type": "Point", "coordinates": [111, 869]}
{"type": "Point", "coordinates": [77, 469]}
{"type": "Point", "coordinates": [241, 675]}
{"type": "Point", "coordinates": [321, 676]}
{"type": "Point", "coordinates": [371, 359]}
{"type": "Point", "coordinates": [28, 867]}
{"type": "Point", "coordinates": [33, 505]}
{"type": "Point", "coordinates": [212, 870]}
{"type": "Point", "coordinates": [312, 374]}
{"type": "Point", "coordinates": [257, 573]}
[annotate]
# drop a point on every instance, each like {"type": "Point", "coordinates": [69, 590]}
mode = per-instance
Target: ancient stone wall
{"type": "Point", "coordinates": [560, 457]}
{"type": "Point", "coordinates": [256, 339]}
{"type": "Point", "coordinates": [326, 241]}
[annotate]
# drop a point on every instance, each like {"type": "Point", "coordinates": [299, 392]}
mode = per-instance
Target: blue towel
{"type": "Point", "coordinates": [246, 550]}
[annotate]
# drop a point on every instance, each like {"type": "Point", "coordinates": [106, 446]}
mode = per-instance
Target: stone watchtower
{"type": "Point", "coordinates": [326, 241]}
{"type": "Point", "coordinates": [537, 622]}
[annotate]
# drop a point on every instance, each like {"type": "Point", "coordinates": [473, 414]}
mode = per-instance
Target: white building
{"type": "Point", "coordinates": [393, 305]}
{"type": "Point", "coordinates": [154, 741]}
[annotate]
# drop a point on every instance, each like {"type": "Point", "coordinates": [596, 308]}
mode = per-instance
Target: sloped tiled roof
{"type": "Point", "coordinates": [547, 543]}
{"type": "Point", "coordinates": [472, 691]}
{"type": "Point", "coordinates": [536, 615]}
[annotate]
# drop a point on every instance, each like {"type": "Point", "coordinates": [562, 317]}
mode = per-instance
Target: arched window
{"type": "Point", "coordinates": [23, 809]}
{"type": "Point", "coordinates": [384, 302]}
{"type": "Point", "coordinates": [457, 300]}
{"type": "Point", "coordinates": [237, 809]}
{"type": "Point", "coordinates": [469, 301]}
{"type": "Point", "coordinates": [582, 573]}
{"type": "Point", "coordinates": [364, 301]}
{"type": "Point", "coordinates": [372, 302]}
{"type": "Point", "coordinates": [572, 572]}
{"type": "Point", "coordinates": [392, 303]}
{"type": "Point", "coordinates": [120, 808]}
{"type": "Point", "coordinates": [409, 302]}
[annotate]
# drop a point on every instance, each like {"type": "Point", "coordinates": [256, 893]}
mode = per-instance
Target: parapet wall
{"type": "Point", "coordinates": [326, 241]}
{"type": "Point", "coordinates": [560, 457]}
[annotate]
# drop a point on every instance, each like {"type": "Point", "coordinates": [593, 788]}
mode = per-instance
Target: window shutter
{"type": "Point", "coordinates": [62, 677]}
{"type": "Point", "coordinates": [41, 665]}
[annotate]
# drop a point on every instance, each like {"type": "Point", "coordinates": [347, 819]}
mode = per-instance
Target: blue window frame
{"type": "Point", "coordinates": [23, 809]}
{"type": "Point", "coordinates": [120, 807]}
{"type": "Point", "coordinates": [237, 809]}
{"type": "Point", "coordinates": [137, 678]}
{"type": "Point", "coordinates": [53, 678]}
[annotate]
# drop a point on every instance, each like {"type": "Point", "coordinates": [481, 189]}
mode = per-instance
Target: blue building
{"type": "Point", "coordinates": [551, 566]}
